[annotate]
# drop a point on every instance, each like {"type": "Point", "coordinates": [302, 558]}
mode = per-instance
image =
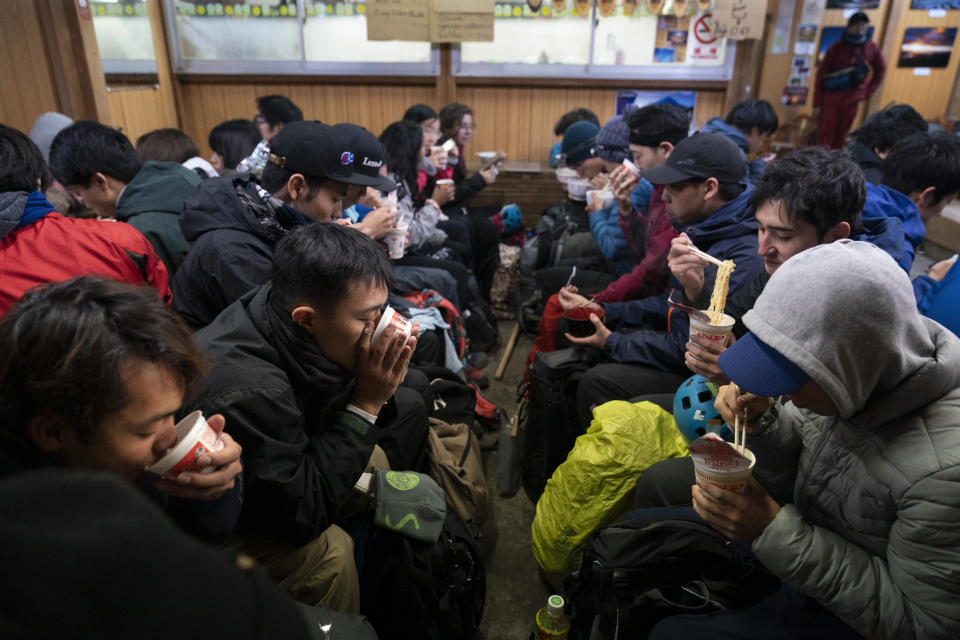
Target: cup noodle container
{"type": "Point", "coordinates": [394, 323]}
{"type": "Point", "coordinates": [630, 167]}
{"type": "Point", "coordinates": [605, 197]}
{"type": "Point", "coordinates": [712, 332]}
{"type": "Point", "coordinates": [195, 439]}
{"type": "Point", "coordinates": [566, 174]}
{"type": "Point", "coordinates": [396, 240]}
{"type": "Point", "coordinates": [717, 462]}
{"type": "Point", "coordinates": [444, 181]}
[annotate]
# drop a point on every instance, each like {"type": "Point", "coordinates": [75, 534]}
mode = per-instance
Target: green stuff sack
{"type": "Point", "coordinates": [596, 484]}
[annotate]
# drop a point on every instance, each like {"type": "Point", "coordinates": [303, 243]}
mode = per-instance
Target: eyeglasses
{"type": "Point", "coordinates": [468, 127]}
{"type": "Point", "coordinates": [259, 119]}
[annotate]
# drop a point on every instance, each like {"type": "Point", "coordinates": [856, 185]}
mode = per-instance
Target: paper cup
{"type": "Point", "coordinates": [712, 332]}
{"type": "Point", "coordinates": [631, 167]}
{"type": "Point", "coordinates": [444, 181]}
{"type": "Point", "coordinates": [606, 197]}
{"type": "Point", "coordinates": [396, 240]}
{"type": "Point", "coordinates": [487, 156]}
{"type": "Point", "coordinates": [394, 322]}
{"type": "Point", "coordinates": [195, 438]}
{"type": "Point", "coordinates": [566, 174]}
{"type": "Point", "coordinates": [712, 472]}
{"type": "Point", "coordinates": [577, 189]}
{"type": "Point", "coordinates": [449, 145]}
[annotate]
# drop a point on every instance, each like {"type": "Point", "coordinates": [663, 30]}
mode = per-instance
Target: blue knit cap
{"type": "Point", "coordinates": [613, 140]}
{"type": "Point", "coordinates": [579, 142]}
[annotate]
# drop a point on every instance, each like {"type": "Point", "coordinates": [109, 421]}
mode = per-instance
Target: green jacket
{"type": "Point", "coordinates": [152, 203]}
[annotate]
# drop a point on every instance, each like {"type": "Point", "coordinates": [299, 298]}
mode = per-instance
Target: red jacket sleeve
{"type": "Point", "coordinates": [879, 66]}
{"type": "Point", "coordinates": [650, 275]}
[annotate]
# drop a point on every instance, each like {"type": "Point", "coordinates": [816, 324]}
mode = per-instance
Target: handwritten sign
{"type": "Point", "coordinates": [399, 20]}
{"type": "Point", "coordinates": [739, 19]}
{"type": "Point", "coordinates": [462, 21]}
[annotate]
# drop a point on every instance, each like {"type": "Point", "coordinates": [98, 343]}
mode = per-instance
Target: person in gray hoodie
{"type": "Point", "coordinates": [855, 500]}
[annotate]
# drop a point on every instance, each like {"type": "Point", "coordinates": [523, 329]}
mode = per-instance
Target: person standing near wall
{"type": "Point", "coordinates": [842, 81]}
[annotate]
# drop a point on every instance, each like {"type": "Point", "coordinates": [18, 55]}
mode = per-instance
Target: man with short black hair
{"type": "Point", "coordinates": [39, 245]}
{"type": "Point", "coordinates": [921, 174]}
{"type": "Point", "coordinates": [234, 222]}
{"type": "Point", "coordinates": [98, 164]}
{"type": "Point", "coordinates": [313, 399]}
{"type": "Point", "coordinates": [872, 141]}
{"type": "Point", "coordinates": [748, 125]}
{"type": "Point", "coordinates": [273, 114]}
{"type": "Point", "coordinates": [707, 200]}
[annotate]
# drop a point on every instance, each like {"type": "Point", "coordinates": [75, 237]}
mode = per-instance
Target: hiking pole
{"type": "Point", "coordinates": [508, 351]}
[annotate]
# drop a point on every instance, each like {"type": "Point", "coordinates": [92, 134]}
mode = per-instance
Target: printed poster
{"type": "Point", "coordinates": [671, 41]}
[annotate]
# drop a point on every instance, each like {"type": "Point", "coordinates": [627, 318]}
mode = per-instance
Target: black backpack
{"type": "Point", "coordinates": [411, 589]}
{"type": "Point", "coordinates": [635, 573]}
{"type": "Point", "coordinates": [550, 425]}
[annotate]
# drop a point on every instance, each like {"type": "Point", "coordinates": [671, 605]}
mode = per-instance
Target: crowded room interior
{"type": "Point", "coordinates": [402, 319]}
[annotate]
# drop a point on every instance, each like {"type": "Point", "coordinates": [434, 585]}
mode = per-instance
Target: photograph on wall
{"type": "Point", "coordinates": [794, 96]}
{"type": "Point", "coordinates": [671, 41]}
{"type": "Point", "coordinates": [853, 4]}
{"type": "Point", "coordinates": [799, 72]}
{"type": "Point", "coordinates": [806, 40]}
{"type": "Point", "coordinates": [927, 47]}
{"type": "Point", "coordinates": [829, 35]}
{"type": "Point", "coordinates": [928, 5]}
{"type": "Point", "coordinates": [629, 99]}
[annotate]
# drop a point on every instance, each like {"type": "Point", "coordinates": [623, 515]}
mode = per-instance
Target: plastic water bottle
{"type": "Point", "coordinates": [552, 622]}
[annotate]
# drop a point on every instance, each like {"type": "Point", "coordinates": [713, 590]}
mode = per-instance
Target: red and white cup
{"type": "Point", "coordinates": [393, 323]}
{"type": "Point", "coordinates": [195, 439]}
{"type": "Point", "coordinates": [718, 463]}
{"type": "Point", "coordinates": [630, 167]}
{"type": "Point", "coordinates": [396, 240]}
{"type": "Point", "coordinates": [712, 332]}
{"type": "Point", "coordinates": [444, 181]}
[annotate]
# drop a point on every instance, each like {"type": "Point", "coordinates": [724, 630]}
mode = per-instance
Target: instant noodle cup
{"type": "Point", "coordinates": [605, 196]}
{"type": "Point", "coordinates": [566, 174]}
{"type": "Point", "coordinates": [717, 462]}
{"type": "Point", "coordinates": [394, 323]}
{"type": "Point", "coordinates": [712, 332]}
{"type": "Point", "coordinates": [578, 321]}
{"type": "Point", "coordinates": [449, 145]}
{"type": "Point", "coordinates": [487, 156]}
{"type": "Point", "coordinates": [443, 181]}
{"type": "Point", "coordinates": [195, 439]}
{"type": "Point", "coordinates": [630, 167]}
{"type": "Point", "coordinates": [396, 240]}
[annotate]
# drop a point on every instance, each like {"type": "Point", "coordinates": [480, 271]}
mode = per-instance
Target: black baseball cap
{"type": "Point", "coordinates": [857, 17]}
{"type": "Point", "coordinates": [368, 157]}
{"type": "Point", "coordinates": [704, 155]}
{"type": "Point", "coordinates": [314, 149]}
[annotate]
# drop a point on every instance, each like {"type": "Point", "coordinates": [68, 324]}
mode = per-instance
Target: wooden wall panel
{"type": "Point", "coordinates": [930, 95]}
{"type": "Point", "coordinates": [372, 106]}
{"type": "Point", "coordinates": [27, 85]}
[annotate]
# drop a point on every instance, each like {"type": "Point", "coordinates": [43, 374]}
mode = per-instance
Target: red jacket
{"type": "Point", "coordinates": [841, 55]}
{"type": "Point", "coordinates": [55, 248]}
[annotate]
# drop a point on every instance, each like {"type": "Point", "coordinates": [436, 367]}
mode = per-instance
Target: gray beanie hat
{"type": "Point", "coordinates": [46, 128]}
{"type": "Point", "coordinates": [614, 140]}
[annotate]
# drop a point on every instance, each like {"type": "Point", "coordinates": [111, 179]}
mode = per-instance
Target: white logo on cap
{"type": "Point", "coordinates": [367, 162]}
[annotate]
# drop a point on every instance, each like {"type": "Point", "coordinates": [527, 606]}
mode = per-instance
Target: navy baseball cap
{"type": "Point", "coordinates": [368, 157]}
{"type": "Point", "coordinates": [704, 155]}
{"type": "Point", "coordinates": [314, 149]}
{"type": "Point", "coordinates": [758, 368]}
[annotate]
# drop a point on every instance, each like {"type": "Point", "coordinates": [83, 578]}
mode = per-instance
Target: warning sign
{"type": "Point", "coordinates": [705, 46]}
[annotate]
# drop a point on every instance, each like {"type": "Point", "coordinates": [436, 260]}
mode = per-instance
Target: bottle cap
{"type": "Point", "coordinates": [555, 605]}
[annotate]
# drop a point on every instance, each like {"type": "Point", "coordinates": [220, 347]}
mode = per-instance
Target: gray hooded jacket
{"type": "Point", "coordinates": [873, 532]}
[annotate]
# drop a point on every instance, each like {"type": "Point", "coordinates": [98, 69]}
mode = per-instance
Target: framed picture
{"type": "Point", "coordinates": [927, 47]}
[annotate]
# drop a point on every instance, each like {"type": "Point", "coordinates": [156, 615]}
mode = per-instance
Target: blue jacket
{"type": "Point", "coordinates": [941, 300]}
{"type": "Point", "coordinates": [555, 154]}
{"type": "Point", "coordinates": [884, 202]}
{"type": "Point", "coordinates": [756, 168]}
{"type": "Point", "coordinates": [606, 230]}
{"type": "Point", "coordinates": [729, 234]}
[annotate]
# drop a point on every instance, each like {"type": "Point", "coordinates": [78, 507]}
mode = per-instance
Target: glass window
{"type": "Point", "coordinates": [255, 30]}
{"type": "Point", "coordinates": [338, 33]}
{"type": "Point", "coordinates": [524, 36]}
{"type": "Point", "coordinates": [124, 36]}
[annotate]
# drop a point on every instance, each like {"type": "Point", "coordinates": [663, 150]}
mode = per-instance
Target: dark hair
{"type": "Point", "coordinates": [450, 118]}
{"type": "Point", "coordinates": [753, 113]}
{"type": "Point", "coordinates": [726, 191]}
{"type": "Point", "coordinates": [166, 145]}
{"type": "Point", "coordinates": [573, 117]}
{"type": "Point", "coordinates": [234, 140]}
{"type": "Point", "coordinates": [659, 122]}
{"type": "Point", "coordinates": [316, 263]}
{"type": "Point", "coordinates": [420, 113]}
{"type": "Point", "coordinates": [274, 177]}
{"type": "Point", "coordinates": [924, 160]}
{"type": "Point", "coordinates": [21, 162]}
{"type": "Point", "coordinates": [86, 148]}
{"type": "Point", "coordinates": [856, 18]}
{"type": "Point", "coordinates": [820, 187]}
{"type": "Point", "coordinates": [403, 141]}
{"type": "Point", "coordinates": [884, 128]}
{"type": "Point", "coordinates": [64, 347]}
{"type": "Point", "coordinates": [278, 109]}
